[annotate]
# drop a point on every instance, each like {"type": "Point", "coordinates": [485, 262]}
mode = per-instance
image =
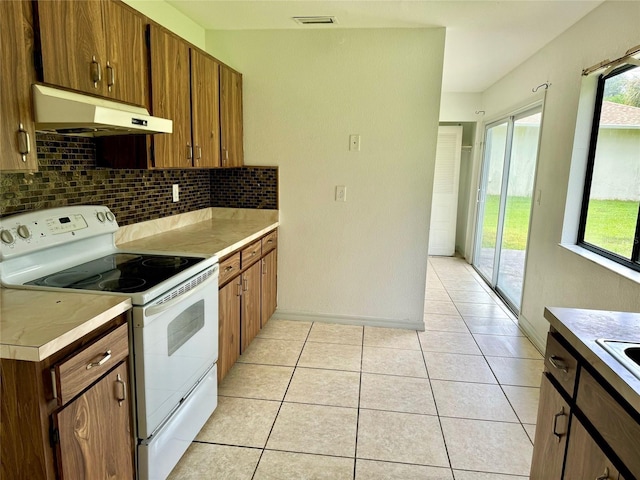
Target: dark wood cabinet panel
{"type": "Point", "coordinates": [250, 318]}
{"type": "Point", "coordinates": [228, 326]}
{"type": "Point", "coordinates": [269, 285]}
{"type": "Point", "coordinates": [205, 110]}
{"type": "Point", "coordinates": [95, 431]}
{"type": "Point", "coordinates": [584, 458]}
{"type": "Point", "coordinates": [17, 149]}
{"type": "Point", "coordinates": [551, 434]}
{"type": "Point", "coordinates": [170, 98]}
{"type": "Point", "coordinates": [231, 118]}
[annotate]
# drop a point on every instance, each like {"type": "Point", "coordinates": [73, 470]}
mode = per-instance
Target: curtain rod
{"type": "Point", "coordinates": [612, 63]}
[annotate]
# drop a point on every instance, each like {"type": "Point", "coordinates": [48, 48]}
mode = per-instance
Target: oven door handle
{"type": "Point", "coordinates": [156, 309]}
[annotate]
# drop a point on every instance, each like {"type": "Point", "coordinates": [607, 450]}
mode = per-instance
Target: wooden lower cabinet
{"type": "Point", "coordinates": [584, 431]}
{"type": "Point", "coordinates": [94, 431]}
{"type": "Point", "coordinates": [551, 433]}
{"type": "Point", "coordinates": [585, 459]}
{"type": "Point", "coordinates": [269, 285]}
{"type": "Point", "coordinates": [250, 317]}
{"type": "Point", "coordinates": [228, 326]}
{"type": "Point", "coordinates": [45, 434]}
{"type": "Point", "coordinates": [246, 298]}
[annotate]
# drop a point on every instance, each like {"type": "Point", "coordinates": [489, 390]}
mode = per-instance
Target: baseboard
{"type": "Point", "coordinates": [349, 320]}
{"type": "Point", "coordinates": [532, 334]}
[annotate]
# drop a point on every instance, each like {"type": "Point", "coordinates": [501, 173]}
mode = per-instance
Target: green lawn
{"type": "Point", "coordinates": [611, 224]}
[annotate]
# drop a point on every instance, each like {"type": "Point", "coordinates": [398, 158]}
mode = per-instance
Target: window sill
{"type": "Point", "coordinates": [621, 270]}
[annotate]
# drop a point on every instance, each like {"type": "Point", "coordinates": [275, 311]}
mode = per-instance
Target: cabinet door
{"type": "Point", "coordinates": [228, 326]}
{"type": "Point", "coordinates": [95, 433]}
{"type": "Point", "coordinates": [17, 149]}
{"type": "Point", "coordinates": [250, 319]}
{"type": "Point", "coordinates": [126, 75]}
{"type": "Point", "coordinates": [205, 110]}
{"type": "Point", "coordinates": [73, 44]}
{"type": "Point", "coordinates": [269, 285]}
{"type": "Point", "coordinates": [584, 458]}
{"type": "Point", "coordinates": [551, 433]}
{"type": "Point", "coordinates": [231, 117]}
{"type": "Point", "coordinates": [170, 98]}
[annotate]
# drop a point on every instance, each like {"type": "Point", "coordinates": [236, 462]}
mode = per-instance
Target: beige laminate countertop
{"type": "Point", "coordinates": [581, 328]}
{"type": "Point", "coordinates": [223, 232]}
{"type": "Point", "coordinates": [35, 324]}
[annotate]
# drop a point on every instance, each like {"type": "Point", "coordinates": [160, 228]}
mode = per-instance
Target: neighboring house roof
{"type": "Point", "coordinates": [619, 115]}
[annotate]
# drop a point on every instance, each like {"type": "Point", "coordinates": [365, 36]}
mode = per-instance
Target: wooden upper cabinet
{"type": "Point", "coordinates": [231, 117]}
{"type": "Point", "coordinates": [17, 147]}
{"type": "Point", "coordinates": [205, 110]}
{"type": "Point", "coordinates": [126, 72]}
{"type": "Point", "coordinates": [95, 47]}
{"type": "Point", "coordinates": [170, 98]}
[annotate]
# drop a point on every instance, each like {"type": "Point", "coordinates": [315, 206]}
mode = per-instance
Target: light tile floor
{"type": "Point", "coordinates": [327, 401]}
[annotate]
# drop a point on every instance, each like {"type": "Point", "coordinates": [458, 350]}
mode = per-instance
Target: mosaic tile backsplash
{"type": "Point", "coordinates": [68, 175]}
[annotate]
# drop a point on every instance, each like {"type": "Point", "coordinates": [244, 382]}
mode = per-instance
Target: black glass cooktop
{"type": "Point", "coordinates": [119, 272]}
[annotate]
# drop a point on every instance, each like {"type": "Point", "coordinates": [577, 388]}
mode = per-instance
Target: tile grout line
{"type": "Point", "coordinates": [355, 451]}
{"type": "Point", "coordinates": [435, 405]}
{"type": "Point", "coordinates": [281, 403]}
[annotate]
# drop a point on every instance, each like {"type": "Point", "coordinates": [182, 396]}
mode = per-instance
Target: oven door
{"type": "Point", "coordinates": [174, 344]}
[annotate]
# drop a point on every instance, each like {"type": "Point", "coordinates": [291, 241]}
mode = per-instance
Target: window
{"type": "Point", "coordinates": [610, 216]}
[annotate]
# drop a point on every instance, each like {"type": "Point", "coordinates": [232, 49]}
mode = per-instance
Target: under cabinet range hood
{"type": "Point", "coordinates": [71, 113]}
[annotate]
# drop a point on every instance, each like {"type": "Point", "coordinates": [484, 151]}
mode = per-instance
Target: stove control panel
{"type": "Point", "coordinates": [29, 232]}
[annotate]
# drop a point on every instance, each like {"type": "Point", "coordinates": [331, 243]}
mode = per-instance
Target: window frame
{"type": "Point", "coordinates": [634, 261]}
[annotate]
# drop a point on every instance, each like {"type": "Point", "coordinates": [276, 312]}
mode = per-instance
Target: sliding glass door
{"type": "Point", "coordinates": [504, 202]}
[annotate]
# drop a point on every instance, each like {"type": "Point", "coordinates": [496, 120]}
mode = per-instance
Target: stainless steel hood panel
{"type": "Point", "coordinates": [71, 113]}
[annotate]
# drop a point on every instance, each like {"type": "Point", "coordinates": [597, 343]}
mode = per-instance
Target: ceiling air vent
{"type": "Point", "coordinates": [326, 20]}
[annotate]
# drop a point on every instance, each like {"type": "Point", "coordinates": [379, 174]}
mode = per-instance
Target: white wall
{"type": "Point", "coordinates": [305, 92]}
{"type": "Point", "coordinates": [556, 276]}
{"type": "Point", "coordinates": [171, 18]}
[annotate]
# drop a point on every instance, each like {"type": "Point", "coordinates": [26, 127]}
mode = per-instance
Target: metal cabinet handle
{"type": "Point", "coordinates": [112, 76]}
{"type": "Point", "coordinates": [24, 142]}
{"type": "Point", "coordinates": [96, 72]}
{"type": "Point", "coordinates": [245, 282]}
{"type": "Point", "coordinates": [605, 475]}
{"type": "Point", "coordinates": [123, 397]}
{"type": "Point", "coordinates": [555, 424]}
{"type": "Point", "coordinates": [558, 363]}
{"type": "Point", "coordinates": [264, 266]}
{"type": "Point", "coordinates": [228, 269]}
{"type": "Point", "coordinates": [224, 157]}
{"type": "Point", "coordinates": [106, 356]}
{"type": "Point", "coordinates": [199, 152]}
{"type": "Point", "coordinates": [189, 152]}
{"type": "Point", "coordinates": [239, 292]}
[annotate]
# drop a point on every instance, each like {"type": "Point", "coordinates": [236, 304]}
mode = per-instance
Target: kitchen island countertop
{"type": "Point", "coordinates": [581, 328]}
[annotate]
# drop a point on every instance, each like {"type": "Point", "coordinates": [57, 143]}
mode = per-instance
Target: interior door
{"type": "Point", "coordinates": [504, 202]}
{"type": "Point", "coordinates": [444, 204]}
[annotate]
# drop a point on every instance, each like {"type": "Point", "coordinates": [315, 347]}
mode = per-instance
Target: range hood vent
{"type": "Point", "coordinates": [325, 20]}
{"type": "Point", "coordinates": [71, 113]}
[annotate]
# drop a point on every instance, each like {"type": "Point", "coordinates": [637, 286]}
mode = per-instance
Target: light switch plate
{"type": "Point", "coordinates": [354, 143]}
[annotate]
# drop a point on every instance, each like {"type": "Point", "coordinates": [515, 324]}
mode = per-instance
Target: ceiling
{"type": "Point", "coordinates": [485, 39]}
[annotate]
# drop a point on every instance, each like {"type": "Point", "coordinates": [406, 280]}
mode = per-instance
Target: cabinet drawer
{"type": "Point", "coordinates": [250, 254]}
{"type": "Point", "coordinates": [269, 242]}
{"type": "Point", "coordinates": [81, 369]}
{"type": "Point", "coordinates": [616, 426]}
{"type": "Point", "coordinates": [229, 268]}
{"type": "Point", "coordinates": [561, 364]}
